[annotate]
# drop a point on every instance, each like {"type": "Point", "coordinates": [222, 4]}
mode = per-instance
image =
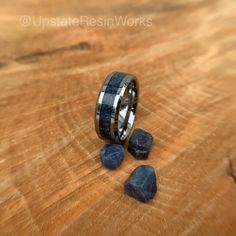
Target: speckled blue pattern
{"type": "Point", "coordinates": [142, 184]}
{"type": "Point", "coordinates": [107, 103]}
{"type": "Point", "coordinates": [140, 144]}
{"type": "Point", "coordinates": [112, 155]}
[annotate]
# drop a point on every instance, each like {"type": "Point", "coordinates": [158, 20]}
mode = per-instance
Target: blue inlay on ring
{"type": "Point", "coordinates": [107, 103]}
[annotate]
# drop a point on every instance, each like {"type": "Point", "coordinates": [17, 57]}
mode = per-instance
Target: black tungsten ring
{"type": "Point", "coordinates": [116, 106]}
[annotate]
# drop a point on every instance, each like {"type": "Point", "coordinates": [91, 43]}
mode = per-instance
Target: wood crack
{"type": "Point", "coordinates": [35, 56]}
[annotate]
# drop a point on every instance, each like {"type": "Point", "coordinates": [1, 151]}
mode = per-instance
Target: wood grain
{"type": "Point", "coordinates": [51, 178]}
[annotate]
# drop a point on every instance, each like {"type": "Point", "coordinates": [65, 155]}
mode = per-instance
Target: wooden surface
{"type": "Point", "coordinates": [51, 178]}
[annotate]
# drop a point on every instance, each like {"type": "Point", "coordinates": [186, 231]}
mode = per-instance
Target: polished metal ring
{"type": "Point", "coordinates": [116, 106]}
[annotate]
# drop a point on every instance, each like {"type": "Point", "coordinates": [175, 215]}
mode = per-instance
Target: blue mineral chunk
{"type": "Point", "coordinates": [142, 183]}
{"type": "Point", "coordinates": [112, 155]}
{"type": "Point", "coordinates": [140, 144]}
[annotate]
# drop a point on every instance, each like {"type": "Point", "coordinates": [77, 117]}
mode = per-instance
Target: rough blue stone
{"type": "Point", "coordinates": [140, 144]}
{"type": "Point", "coordinates": [112, 155]}
{"type": "Point", "coordinates": [142, 183]}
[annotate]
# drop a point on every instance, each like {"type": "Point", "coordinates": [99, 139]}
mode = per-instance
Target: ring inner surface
{"type": "Point", "coordinates": [126, 115]}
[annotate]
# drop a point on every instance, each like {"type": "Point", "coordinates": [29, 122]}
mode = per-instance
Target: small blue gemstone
{"type": "Point", "coordinates": [112, 155]}
{"type": "Point", "coordinates": [140, 144]}
{"type": "Point", "coordinates": [142, 184]}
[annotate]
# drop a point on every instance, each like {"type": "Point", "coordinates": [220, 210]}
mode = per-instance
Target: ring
{"type": "Point", "coordinates": [116, 106]}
